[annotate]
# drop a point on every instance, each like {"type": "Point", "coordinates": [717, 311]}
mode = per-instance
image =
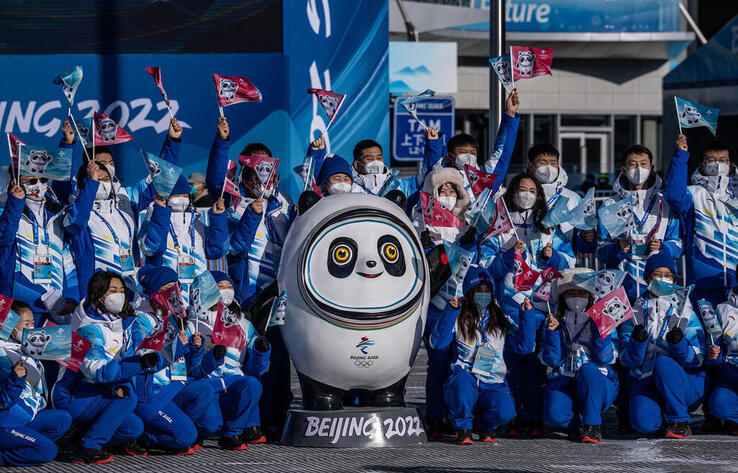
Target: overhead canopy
{"type": "Point", "coordinates": [710, 75]}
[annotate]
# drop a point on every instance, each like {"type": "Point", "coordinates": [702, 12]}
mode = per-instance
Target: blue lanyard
{"type": "Point", "coordinates": [579, 333]}
{"type": "Point", "coordinates": [192, 236]}
{"type": "Point", "coordinates": [666, 319]}
{"type": "Point", "coordinates": [483, 326]}
{"type": "Point", "coordinates": [553, 198]}
{"type": "Point", "coordinates": [32, 217]}
{"type": "Point", "coordinates": [112, 232]}
{"type": "Point", "coordinates": [641, 221]}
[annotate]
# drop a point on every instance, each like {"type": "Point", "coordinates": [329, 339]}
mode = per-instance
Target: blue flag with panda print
{"type": "Point", "coordinates": [43, 161]}
{"type": "Point", "coordinates": [692, 115]}
{"type": "Point", "coordinates": [48, 343]}
{"type": "Point", "coordinates": [70, 80]}
{"type": "Point", "coordinates": [162, 172]}
{"type": "Point", "coordinates": [617, 217]}
{"type": "Point", "coordinates": [557, 214]}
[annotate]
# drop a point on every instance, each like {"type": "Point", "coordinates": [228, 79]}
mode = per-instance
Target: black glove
{"type": "Point", "coordinates": [149, 360]}
{"type": "Point", "coordinates": [639, 333]}
{"type": "Point", "coordinates": [262, 344]}
{"type": "Point", "coordinates": [468, 237]}
{"type": "Point", "coordinates": [675, 335]}
{"type": "Point", "coordinates": [425, 240]}
{"type": "Point", "coordinates": [219, 352]}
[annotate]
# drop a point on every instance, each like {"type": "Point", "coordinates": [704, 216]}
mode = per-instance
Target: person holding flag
{"type": "Point", "coordinates": [101, 396]}
{"type": "Point", "coordinates": [664, 349]}
{"type": "Point", "coordinates": [445, 186]}
{"type": "Point", "coordinates": [480, 334]}
{"type": "Point", "coordinates": [516, 257]}
{"type": "Point", "coordinates": [233, 371]}
{"type": "Point", "coordinates": [655, 229]}
{"type": "Point", "coordinates": [173, 236]}
{"type": "Point", "coordinates": [171, 406]}
{"type": "Point", "coordinates": [709, 227]}
{"type": "Point", "coordinates": [23, 406]}
{"type": "Point", "coordinates": [582, 382]}
{"type": "Point", "coordinates": [35, 261]}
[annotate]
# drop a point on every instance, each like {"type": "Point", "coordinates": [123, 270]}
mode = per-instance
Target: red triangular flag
{"type": "Point", "coordinates": [528, 62]}
{"type": "Point", "coordinates": [524, 277]}
{"type": "Point", "coordinates": [107, 132]}
{"type": "Point", "coordinates": [226, 329]}
{"type": "Point", "coordinates": [171, 301]}
{"type": "Point", "coordinates": [13, 143]}
{"type": "Point", "coordinates": [611, 311]}
{"type": "Point", "coordinates": [156, 74]}
{"type": "Point", "coordinates": [479, 180]}
{"type": "Point", "coordinates": [230, 90]}
{"type": "Point", "coordinates": [155, 339]}
{"type": "Point", "coordinates": [544, 289]}
{"type": "Point", "coordinates": [434, 214]}
{"type": "Point", "coordinates": [264, 166]}
{"type": "Point", "coordinates": [501, 222]}
{"type": "Point", "coordinates": [330, 101]}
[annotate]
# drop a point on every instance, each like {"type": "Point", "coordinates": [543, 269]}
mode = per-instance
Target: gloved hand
{"type": "Point", "coordinates": [262, 344]}
{"type": "Point", "coordinates": [149, 360]}
{"type": "Point", "coordinates": [219, 352]}
{"type": "Point", "coordinates": [425, 240]}
{"type": "Point", "coordinates": [675, 335]}
{"type": "Point", "coordinates": [639, 333]}
{"type": "Point", "coordinates": [121, 391]}
{"type": "Point", "coordinates": [468, 237]}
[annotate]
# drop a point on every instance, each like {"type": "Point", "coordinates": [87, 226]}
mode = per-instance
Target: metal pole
{"type": "Point", "coordinates": [412, 33]}
{"type": "Point", "coordinates": [496, 48]}
{"type": "Point", "coordinates": [692, 23]}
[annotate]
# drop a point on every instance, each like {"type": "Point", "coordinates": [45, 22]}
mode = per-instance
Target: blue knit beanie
{"type": "Point", "coordinates": [662, 259]}
{"type": "Point", "coordinates": [152, 278]}
{"type": "Point", "coordinates": [334, 165]}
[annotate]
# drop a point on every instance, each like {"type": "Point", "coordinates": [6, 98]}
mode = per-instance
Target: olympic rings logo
{"type": "Point", "coordinates": [363, 363]}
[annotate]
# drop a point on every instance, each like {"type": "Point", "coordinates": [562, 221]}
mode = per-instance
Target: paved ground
{"type": "Point", "coordinates": [703, 453]}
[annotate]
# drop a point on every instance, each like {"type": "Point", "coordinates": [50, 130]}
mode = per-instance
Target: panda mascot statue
{"type": "Point", "coordinates": [357, 285]}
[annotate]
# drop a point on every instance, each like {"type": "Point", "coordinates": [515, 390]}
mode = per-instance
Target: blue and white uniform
{"type": "Point", "coordinates": [723, 400]}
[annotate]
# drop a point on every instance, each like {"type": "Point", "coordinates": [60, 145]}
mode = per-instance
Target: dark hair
{"type": "Point", "coordinates": [539, 210]}
{"type": "Point", "coordinates": [562, 304]}
{"type": "Point", "coordinates": [18, 306]}
{"type": "Point", "coordinates": [102, 149]}
{"type": "Point", "coordinates": [82, 173]}
{"type": "Point", "coordinates": [362, 145]}
{"type": "Point", "coordinates": [716, 145]}
{"type": "Point", "coordinates": [542, 149]}
{"type": "Point", "coordinates": [462, 139]}
{"type": "Point", "coordinates": [469, 317]}
{"type": "Point", "coordinates": [252, 148]}
{"type": "Point", "coordinates": [637, 149]}
{"type": "Point", "coordinates": [250, 181]}
{"type": "Point", "coordinates": [98, 287]}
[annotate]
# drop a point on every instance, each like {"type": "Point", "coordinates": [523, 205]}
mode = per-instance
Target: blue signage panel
{"type": "Point", "coordinates": [408, 137]}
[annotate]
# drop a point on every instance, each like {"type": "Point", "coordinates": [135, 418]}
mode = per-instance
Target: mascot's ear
{"type": "Point", "coordinates": [260, 309]}
{"type": "Point", "coordinates": [307, 199]}
{"type": "Point", "coordinates": [397, 196]}
{"type": "Point", "coordinates": [438, 268]}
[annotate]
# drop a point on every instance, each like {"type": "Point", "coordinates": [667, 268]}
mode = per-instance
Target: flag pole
{"type": "Point", "coordinates": [93, 138]}
{"type": "Point", "coordinates": [79, 135]}
{"type": "Point", "coordinates": [510, 218]}
{"type": "Point", "coordinates": [10, 152]}
{"type": "Point", "coordinates": [220, 107]}
{"type": "Point", "coordinates": [512, 69]}
{"type": "Point", "coordinates": [17, 171]}
{"type": "Point", "coordinates": [222, 191]}
{"type": "Point", "coordinates": [676, 105]}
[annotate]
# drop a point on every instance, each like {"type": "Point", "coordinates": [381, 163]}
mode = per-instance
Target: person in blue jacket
{"type": "Point", "coordinates": [722, 355]}
{"type": "Point", "coordinates": [234, 376]}
{"type": "Point", "coordinates": [28, 429]}
{"type": "Point", "coordinates": [581, 382]}
{"type": "Point", "coordinates": [664, 349]}
{"type": "Point", "coordinates": [172, 409]}
{"type": "Point", "coordinates": [709, 227]}
{"type": "Point", "coordinates": [476, 388]}
{"type": "Point", "coordinates": [100, 397]}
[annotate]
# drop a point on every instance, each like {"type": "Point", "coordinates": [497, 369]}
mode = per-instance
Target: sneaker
{"type": "Point", "coordinates": [678, 430]}
{"type": "Point", "coordinates": [536, 429]}
{"type": "Point", "coordinates": [464, 437]}
{"type": "Point", "coordinates": [198, 444]}
{"type": "Point", "coordinates": [591, 434]}
{"type": "Point", "coordinates": [254, 435]}
{"type": "Point", "coordinates": [180, 452]}
{"type": "Point", "coordinates": [487, 436]}
{"type": "Point", "coordinates": [513, 430]}
{"type": "Point", "coordinates": [232, 443]}
{"type": "Point", "coordinates": [435, 429]}
{"type": "Point", "coordinates": [131, 448]}
{"type": "Point", "coordinates": [91, 456]}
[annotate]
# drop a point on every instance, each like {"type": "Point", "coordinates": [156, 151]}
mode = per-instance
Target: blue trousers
{"type": "Point", "coordinates": [669, 394]}
{"type": "Point", "coordinates": [237, 407]}
{"type": "Point", "coordinates": [724, 397]}
{"type": "Point", "coordinates": [526, 377]}
{"type": "Point", "coordinates": [105, 418]}
{"type": "Point", "coordinates": [436, 375]}
{"type": "Point", "coordinates": [493, 402]}
{"type": "Point", "coordinates": [33, 444]}
{"type": "Point", "coordinates": [571, 402]}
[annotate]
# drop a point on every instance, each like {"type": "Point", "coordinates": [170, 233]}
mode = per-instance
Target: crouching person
{"type": "Point", "coordinates": [234, 374]}
{"type": "Point", "coordinates": [478, 330]}
{"type": "Point", "coordinates": [27, 430]}
{"type": "Point", "coordinates": [723, 354]}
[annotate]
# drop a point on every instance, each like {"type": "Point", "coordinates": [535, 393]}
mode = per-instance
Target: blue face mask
{"type": "Point", "coordinates": [193, 190]}
{"type": "Point", "coordinates": [482, 300]}
{"type": "Point", "coordinates": [662, 288]}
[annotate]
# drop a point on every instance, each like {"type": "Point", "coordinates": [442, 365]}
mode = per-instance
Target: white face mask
{"type": "Point", "coordinates": [716, 168]}
{"type": "Point", "coordinates": [374, 167]}
{"type": "Point", "coordinates": [577, 304]}
{"type": "Point", "coordinates": [547, 174]}
{"type": "Point", "coordinates": [339, 188]}
{"type": "Point", "coordinates": [227, 296]}
{"type": "Point", "coordinates": [447, 201]}
{"type": "Point", "coordinates": [179, 203]}
{"type": "Point", "coordinates": [114, 302]}
{"type": "Point", "coordinates": [667, 280]}
{"type": "Point", "coordinates": [39, 189]}
{"type": "Point", "coordinates": [525, 200]}
{"type": "Point", "coordinates": [637, 175]}
{"type": "Point", "coordinates": [103, 191]}
{"type": "Point", "coordinates": [111, 170]}
{"type": "Point", "coordinates": [465, 158]}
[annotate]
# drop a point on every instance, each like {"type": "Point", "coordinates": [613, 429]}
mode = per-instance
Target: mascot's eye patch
{"type": "Point", "coordinates": [391, 253]}
{"type": "Point", "coordinates": [342, 257]}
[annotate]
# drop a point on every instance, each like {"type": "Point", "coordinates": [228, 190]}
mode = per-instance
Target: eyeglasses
{"type": "Point", "coordinates": [33, 181]}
